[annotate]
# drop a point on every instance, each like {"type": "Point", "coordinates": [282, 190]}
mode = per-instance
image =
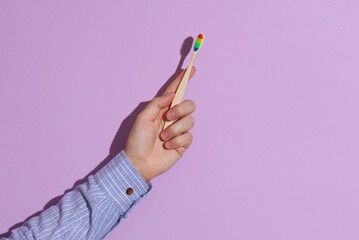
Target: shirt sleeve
{"type": "Point", "coordinates": [92, 209]}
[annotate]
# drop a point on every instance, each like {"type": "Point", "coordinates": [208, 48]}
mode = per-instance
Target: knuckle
{"type": "Point", "coordinates": [172, 130]}
{"type": "Point", "coordinates": [176, 129]}
{"type": "Point", "coordinates": [183, 142]}
{"type": "Point", "coordinates": [155, 101]}
{"type": "Point", "coordinates": [179, 111]}
{"type": "Point", "coordinates": [176, 142]}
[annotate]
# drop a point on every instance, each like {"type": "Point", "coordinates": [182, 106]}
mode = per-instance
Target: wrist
{"type": "Point", "coordinates": [136, 165]}
{"type": "Point", "coordinates": [139, 170]}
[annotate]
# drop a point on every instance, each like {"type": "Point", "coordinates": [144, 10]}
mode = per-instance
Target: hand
{"type": "Point", "coordinates": [147, 147]}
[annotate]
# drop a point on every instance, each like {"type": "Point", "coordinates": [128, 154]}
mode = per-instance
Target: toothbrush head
{"type": "Point", "coordinates": [199, 42]}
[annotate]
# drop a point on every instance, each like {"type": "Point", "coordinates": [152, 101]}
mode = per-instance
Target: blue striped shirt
{"type": "Point", "coordinates": [92, 209]}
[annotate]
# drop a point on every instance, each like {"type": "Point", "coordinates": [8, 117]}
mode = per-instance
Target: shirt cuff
{"type": "Point", "coordinates": [122, 183]}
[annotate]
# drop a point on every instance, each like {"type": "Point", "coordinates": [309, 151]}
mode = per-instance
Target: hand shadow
{"type": "Point", "coordinates": [119, 142]}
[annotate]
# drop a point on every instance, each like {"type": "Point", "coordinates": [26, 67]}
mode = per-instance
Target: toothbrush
{"type": "Point", "coordinates": [182, 87]}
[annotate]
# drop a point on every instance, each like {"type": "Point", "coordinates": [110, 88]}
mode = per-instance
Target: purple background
{"type": "Point", "coordinates": [276, 140]}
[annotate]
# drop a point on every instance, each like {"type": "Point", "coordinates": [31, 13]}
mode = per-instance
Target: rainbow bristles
{"type": "Point", "coordinates": [199, 42]}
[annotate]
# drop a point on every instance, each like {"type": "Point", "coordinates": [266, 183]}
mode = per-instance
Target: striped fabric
{"type": "Point", "coordinates": [92, 209]}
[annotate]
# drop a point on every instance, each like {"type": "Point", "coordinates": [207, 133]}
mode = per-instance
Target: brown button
{"type": "Point", "coordinates": [129, 191]}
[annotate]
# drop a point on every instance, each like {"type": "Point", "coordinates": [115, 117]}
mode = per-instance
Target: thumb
{"type": "Point", "coordinates": [156, 105]}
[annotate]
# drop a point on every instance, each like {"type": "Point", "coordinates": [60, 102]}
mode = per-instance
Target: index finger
{"type": "Point", "coordinates": [174, 85]}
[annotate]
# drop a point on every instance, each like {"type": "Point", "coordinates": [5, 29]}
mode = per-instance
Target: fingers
{"type": "Point", "coordinates": [174, 85]}
{"type": "Point", "coordinates": [180, 110]}
{"type": "Point", "coordinates": [181, 126]}
{"type": "Point", "coordinates": [154, 107]}
{"type": "Point", "coordinates": [183, 140]}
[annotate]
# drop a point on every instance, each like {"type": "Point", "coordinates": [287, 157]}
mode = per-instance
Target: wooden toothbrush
{"type": "Point", "coordinates": [182, 87]}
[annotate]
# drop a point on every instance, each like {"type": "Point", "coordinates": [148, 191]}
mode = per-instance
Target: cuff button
{"type": "Point", "coordinates": [129, 191]}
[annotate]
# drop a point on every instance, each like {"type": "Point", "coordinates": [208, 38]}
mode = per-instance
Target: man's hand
{"type": "Point", "coordinates": [151, 150]}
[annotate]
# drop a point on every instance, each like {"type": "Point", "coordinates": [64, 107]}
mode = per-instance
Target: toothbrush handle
{"type": "Point", "coordinates": [181, 88]}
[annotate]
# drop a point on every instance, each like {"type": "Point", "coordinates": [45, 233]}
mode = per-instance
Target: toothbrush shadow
{"type": "Point", "coordinates": [120, 139]}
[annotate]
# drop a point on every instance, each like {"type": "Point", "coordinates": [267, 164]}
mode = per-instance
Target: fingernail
{"type": "Point", "coordinates": [169, 144]}
{"type": "Point", "coordinates": [171, 115]}
{"type": "Point", "coordinates": [164, 135]}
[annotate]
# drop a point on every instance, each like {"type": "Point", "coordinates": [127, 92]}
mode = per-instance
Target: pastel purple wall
{"type": "Point", "coordinates": [276, 141]}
